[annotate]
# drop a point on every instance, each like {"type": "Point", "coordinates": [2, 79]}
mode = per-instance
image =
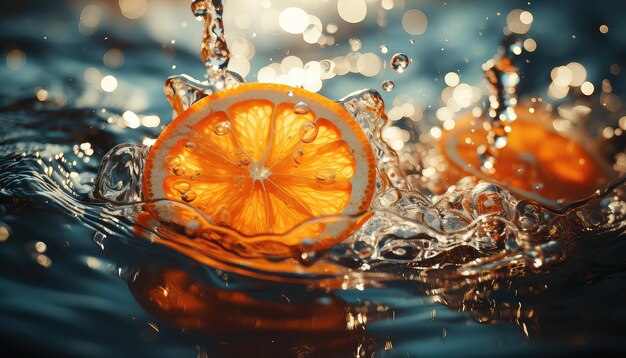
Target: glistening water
{"type": "Point", "coordinates": [474, 271]}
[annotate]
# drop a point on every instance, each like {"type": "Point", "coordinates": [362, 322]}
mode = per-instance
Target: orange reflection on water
{"type": "Point", "coordinates": [291, 320]}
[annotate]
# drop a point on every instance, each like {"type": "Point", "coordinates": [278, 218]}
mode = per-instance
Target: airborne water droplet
{"type": "Point", "coordinates": [198, 7]}
{"type": "Point", "coordinates": [308, 132]}
{"type": "Point", "coordinates": [182, 186]}
{"type": "Point", "coordinates": [388, 85]}
{"type": "Point", "coordinates": [222, 128]}
{"type": "Point", "coordinates": [399, 62]}
{"type": "Point", "coordinates": [189, 196]}
{"type": "Point", "coordinates": [301, 108]}
{"type": "Point", "coordinates": [326, 176]}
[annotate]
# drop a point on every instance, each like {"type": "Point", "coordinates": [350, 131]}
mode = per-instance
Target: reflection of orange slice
{"type": "Point", "coordinates": [537, 163]}
{"type": "Point", "coordinates": [262, 158]}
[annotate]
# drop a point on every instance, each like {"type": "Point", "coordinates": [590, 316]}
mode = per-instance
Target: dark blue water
{"type": "Point", "coordinates": [96, 288]}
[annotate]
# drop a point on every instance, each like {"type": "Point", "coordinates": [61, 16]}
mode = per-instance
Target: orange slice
{"type": "Point", "coordinates": [537, 163]}
{"type": "Point", "coordinates": [261, 159]}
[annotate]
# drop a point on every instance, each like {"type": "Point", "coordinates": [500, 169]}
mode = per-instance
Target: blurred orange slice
{"type": "Point", "coordinates": [261, 159]}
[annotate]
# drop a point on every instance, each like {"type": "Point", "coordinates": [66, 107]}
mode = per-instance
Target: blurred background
{"type": "Point", "coordinates": [116, 54]}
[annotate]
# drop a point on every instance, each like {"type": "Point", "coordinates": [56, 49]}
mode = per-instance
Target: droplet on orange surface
{"type": "Point", "coordinates": [265, 161]}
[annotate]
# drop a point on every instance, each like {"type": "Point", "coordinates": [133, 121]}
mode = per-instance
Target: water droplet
{"type": "Point", "coordinates": [399, 62]}
{"type": "Point", "coordinates": [297, 155]}
{"type": "Point", "coordinates": [192, 227]}
{"type": "Point", "coordinates": [326, 176]}
{"type": "Point", "coordinates": [388, 85]}
{"type": "Point", "coordinates": [222, 128]}
{"type": "Point", "coordinates": [98, 239]}
{"type": "Point", "coordinates": [198, 7]}
{"type": "Point", "coordinates": [189, 196]}
{"type": "Point", "coordinates": [221, 215]}
{"type": "Point", "coordinates": [486, 159]}
{"type": "Point", "coordinates": [301, 108]}
{"type": "Point", "coordinates": [384, 49]}
{"type": "Point", "coordinates": [178, 170]}
{"type": "Point", "coordinates": [308, 132]}
{"type": "Point", "coordinates": [182, 186]}
{"type": "Point", "coordinates": [242, 159]}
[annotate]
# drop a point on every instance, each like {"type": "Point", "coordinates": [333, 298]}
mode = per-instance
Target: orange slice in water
{"type": "Point", "coordinates": [261, 159]}
{"type": "Point", "coordinates": [537, 163]}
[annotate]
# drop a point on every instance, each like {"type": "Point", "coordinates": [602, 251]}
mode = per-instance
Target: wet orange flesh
{"type": "Point", "coordinates": [260, 176]}
{"type": "Point", "coordinates": [534, 160]}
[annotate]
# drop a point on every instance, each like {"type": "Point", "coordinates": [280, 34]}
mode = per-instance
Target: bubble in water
{"type": "Point", "coordinates": [297, 155]}
{"type": "Point", "coordinates": [198, 7]}
{"type": "Point", "coordinates": [326, 176]}
{"type": "Point", "coordinates": [399, 62]}
{"type": "Point", "coordinates": [384, 49]}
{"type": "Point", "coordinates": [301, 108]}
{"type": "Point", "coordinates": [190, 145]}
{"type": "Point", "coordinates": [182, 186]}
{"type": "Point", "coordinates": [308, 132]}
{"type": "Point", "coordinates": [538, 186]}
{"type": "Point", "coordinates": [290, 93]}
{"type": "Point", "coordinates": [189, 196]}
{"type": "Point", "coordinates": [388, 85]}
{"type": "Point", "coordinates": [411, 41]}
{"type": "Point", "coordinates": [222, 128]}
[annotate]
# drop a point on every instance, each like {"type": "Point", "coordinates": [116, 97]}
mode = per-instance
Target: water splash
{"type": "Point", "coordinates": [502, 74]}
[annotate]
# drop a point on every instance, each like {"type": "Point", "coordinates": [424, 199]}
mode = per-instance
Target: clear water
{"type": "Point", "coordinates": [79, 277]}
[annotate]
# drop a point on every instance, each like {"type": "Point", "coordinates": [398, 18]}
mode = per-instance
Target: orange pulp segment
{"type": "Point", "coordinates": [537, 163]}
{"type": "Point", "coordinates": [261, 159]}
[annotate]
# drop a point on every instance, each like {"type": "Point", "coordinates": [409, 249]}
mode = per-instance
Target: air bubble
{"type": "Point", "coordinates": [301, 108]}
{"type": "Point", "coordinates": [384, 49]}
{"type": "Point", "coordinates": [189, 196]}
{"type": "Point", "coordinates": [308, 132]}
{"type": "Point", "coordinates": [190, 145]}
{"type": "Point", "coordinates": [326, 176]}
{"type": "Point", "coordinates": [388, 85]}
{"type": "Point", "coordinates": [222, 128]}
{"type": "Point", "coordinates": [182, 186]}
{"type": "Point", "coordinates": [399, 62]}
{"type": "Point", "coordinates": [290, 93]}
